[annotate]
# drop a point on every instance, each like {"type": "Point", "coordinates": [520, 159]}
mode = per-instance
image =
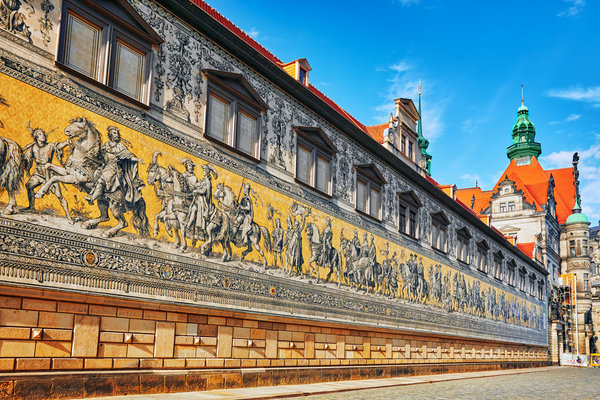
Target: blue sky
{"type": "Point", "coordinates": [471, 56]}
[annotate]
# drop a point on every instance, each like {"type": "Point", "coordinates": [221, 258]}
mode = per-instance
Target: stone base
{"type": "Point", "coordinates": [41, 386]}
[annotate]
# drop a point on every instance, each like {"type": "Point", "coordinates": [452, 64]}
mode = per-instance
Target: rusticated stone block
{"type": "Point", "coordinates": [151, 363]}
{"type": "Point", "coordinates": [271, 344]}
{"type": "Point", "coordinates": [31, 389]}
{"type": "Point", "coordinates": [16, 348]}
{"type": "Point", "coordinates": [55, 320]}
{"type": "Point", "coordinates": [126, 385]}
{"type": "Point", "coordinates": [175, 383]}
{"type": "Point", "coordinates": [207, 330]}
{"type": "Point", "coordinates": [142, 326]}
{"type": "Point", "coordinates": [157, 315]}
{"type": "Point", "coordinates": [114, 324]}
{"type": "Point", "coordinates": [107, 350]}
{"type": "Point", "coordinates": [183, 329]}
{"type": "Point", "coordinates": [39, 305]}
{"type": "Point", "coordinates": [125, 363]}
{"type": "Point", "coordinates": [99, 386]}
{"type": "Point", "coordinates": [224, 341]}
{"type": "Point", "coordinates": [9, 317]}
{"type": "Point", "coordinates": [52, 349]}
{"type": "Point", "coordinates": [14, 333]}
{"type": "Point", "coordinates": [68, 388]}
{"type": "Point", "coordinates": [85, 336]}
{"type": "Point", "coordinates": [150, 384]}
{"type": "Point", "coordinates": [138, 350]}
{"type": "Point", "coordinates": [176, 317]}
{"type": "Point", "coordinates": [215, 381]}
{"type": "Point", "coordinates": [10, 302]}
{"type": "Point", "coordinates": [7, 364]}
{"type": "Point", "coordinates": [97, 363]}
{"type": "Point", "coordinates": [198, 319]}
{"type": "Point", "coordinates": [30, 364]}
{"type": "Point", "coordinates": [108, 311]}
{"type": "Point", "coordinates": [57, 334]}
{"type": "Point", "coordinates": [130, 313]}
{"type": "Point", "coordinates": [195, 382]}
{"type": "Point", "coordinates": [174, 363]}
{"type": "Point", "coordinates": [67, 363]}
{"type": "Point", "coordinates": [111, 337]}
{"type": "Point", "coordinates": [164, 340]}
{"type": "Point", "coordinates": [76, 308]}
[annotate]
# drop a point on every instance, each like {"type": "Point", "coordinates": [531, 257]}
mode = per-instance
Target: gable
{"type": "Point", "coordinates": [236, 82]}
{"type": "Point", "coordinates": [317, 137]}
{"type": "Point", "coordinates": [370, 171]}
{"type": "Point", "coordinates": [128, 16]}
{"type": "Point", "coordinates": [410, 197]}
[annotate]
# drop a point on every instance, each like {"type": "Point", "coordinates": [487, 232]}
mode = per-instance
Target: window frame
{"type": "Point", "coordinates": [463, 253]}
{"type": "Point", "coordinates": [510, 206]}
{"type": "Point", "coordinates": [482, 260]}
{"type": "Point", "coordinates": [511, 267]}
{"type": "Point", "coordinates": [439, 231]}
{"type": "Point", "coordinates": [239, 103]}
{"type": "Point", "coordinates": [113, 29]}
{"type": "Point", "coordinates": [502, 207]}
{"type": "Point", "coordinates": [411, 204]}
{"type": "Point", "coordinates": [374, 181]}
{"type": "Point", "coordinates": [522, 279]}
{"type": "Point", "coordinates": [305, 138]}
{"type": "Point", "coordinates": [498, 259]}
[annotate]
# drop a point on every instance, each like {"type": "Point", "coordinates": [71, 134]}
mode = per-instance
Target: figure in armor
{"type": "Point", "coordinates": [277, 238]}
{"type": "Point", "coordinates": [120, 170]}
{"type": "Point", "coordinates": [43, 153]}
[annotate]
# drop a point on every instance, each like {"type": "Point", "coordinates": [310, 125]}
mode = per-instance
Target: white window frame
{"type": "Point", "coordinates": [408, 206]}
{"type": "Point", "coordinates": [439, 232]}
{"type": "Point", "coordinates": [463, 244]}
{"type": "Point", "coordinates": [316, 150]}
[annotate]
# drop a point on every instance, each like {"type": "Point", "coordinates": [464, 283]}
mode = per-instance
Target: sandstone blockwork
{"type": "Point", "coordinates": [168, 348]}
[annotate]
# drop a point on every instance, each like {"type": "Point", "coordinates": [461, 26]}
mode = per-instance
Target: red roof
{"type": "Point", "coordinates": [376, 131]}
{"type": "Point", "coordinates": [532, 180]}
{"type": "Point", "coordinates": [526, 248]}
{"type": "Point", "coordinates": [267, 54]}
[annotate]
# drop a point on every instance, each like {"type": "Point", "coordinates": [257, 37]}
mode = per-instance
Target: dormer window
{"type": "Point", "coordinates": [108, 43]}
{"type": "Point", "coordinates": [369, 187]}
{"type": "Point", "coordinates": [233, 113]}
{"type": "Point", "coordinates": [314, 156]}
{"type": "Point", "coordinates": [303, 76]}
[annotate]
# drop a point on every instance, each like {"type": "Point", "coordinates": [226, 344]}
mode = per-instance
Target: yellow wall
{"type": "Point", "coordinates": [46, 111]}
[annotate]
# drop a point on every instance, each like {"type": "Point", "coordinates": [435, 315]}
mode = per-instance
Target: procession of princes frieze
{"type": "Point", "coordinates": [64, 166]}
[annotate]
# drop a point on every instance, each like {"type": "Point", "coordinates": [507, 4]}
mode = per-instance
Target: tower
{"type": "Point", "coordinates": [421, 141]}
{"type": "Point", "coordinates": [578, 268]}
{"type": "Point", "coordinates": [523, 145]}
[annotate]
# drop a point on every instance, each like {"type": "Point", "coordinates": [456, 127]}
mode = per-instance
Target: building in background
{"type": "Point", "coordinates": [539, 211]}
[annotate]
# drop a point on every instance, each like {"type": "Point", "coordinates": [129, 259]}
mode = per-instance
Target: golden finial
{"type": "Point", "coordinates": [419, 87]}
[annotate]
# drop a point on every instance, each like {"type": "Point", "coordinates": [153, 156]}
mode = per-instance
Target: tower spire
{"type": "Point", "coordinates": [421, 141]}
{"type": "Point", "coordinates": [522, 97]}
{"type": "Point", "coordinates": [523, 145]}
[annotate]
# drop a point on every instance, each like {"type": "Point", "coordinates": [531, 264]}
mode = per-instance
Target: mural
{"type": "Point", "coordinates": [80, 170]}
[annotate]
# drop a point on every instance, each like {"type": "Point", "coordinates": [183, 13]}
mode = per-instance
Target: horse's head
{"type": "Point", "coordinates": [79, 127]}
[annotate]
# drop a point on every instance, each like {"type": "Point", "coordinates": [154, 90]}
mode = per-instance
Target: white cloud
{"type": "Point", "coordinates": [577, 93]}
{"type": "Point", "coordinates": [471, 179]}
{"type": "Point", "coordinates": [589, 176]}
{"type": "Point", "coordinates": [570, 118]}
{"type": "Point", "coordinates": [253, 33]}
{"type": "Point", "coordinates": [408, 3]}
{"type": "Point", "coordinates": [576, 7]}
{"type": "Point", "coordinates": [404, 82]}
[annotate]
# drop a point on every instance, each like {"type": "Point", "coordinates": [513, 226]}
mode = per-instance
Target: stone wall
{"type": "Point", "coordinates": [47, 330]}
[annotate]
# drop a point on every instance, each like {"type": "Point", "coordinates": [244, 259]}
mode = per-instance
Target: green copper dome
{"type": "Point", "coordinates": [577, 216]}
{"type": "Point", "coordinates": [523, 137]}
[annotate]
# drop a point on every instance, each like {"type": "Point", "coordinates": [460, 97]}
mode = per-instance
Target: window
{"type": "Point", "coordinates": [586, 281]}
{"type": "Point", "coordinates": [403, 144]}
{"type": "Point", "coordinates": [511, 206]}
{"type": "Point", "coordinates": [531, 287]}
{"type": "Point", "coordinates": [233, 113]}
{"type": "Point", "coordinates": [571, 248]}
{"type": "Point", "coordinates": [584, 247]}
{"type": "Point", "coordinates": [314, 156]}
{"type": "Point", "coordinates": [540, 288]}
{"type": "Point", "coordinates": [522, 279]}
{"type": "Point", "coordinates": [302, 76]}
{"type": "Point", "coordinates": [502, 207]}
{"type": "Point", "coordinates": [462, 245]}
{"type": "Point", "coordinates": [498, 257]}
{"type": "Point", "coordinates": [96, 43]}
{"type": "Point", "coordinates": [511, 268]}
{"type": "Point", "coordinates": [482, 261]}
{"type": "Point", "coordinates": [439, 231]}
{"type": "Point", "coordinates": [369, 185]}
{"type": "Point", "coordinates": [408, 211]}
{"type": "Point", "coordinates": [410, 150]}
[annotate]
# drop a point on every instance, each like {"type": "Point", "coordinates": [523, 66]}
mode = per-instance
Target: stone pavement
{"type": "Point", "coordinates": [530, 383]}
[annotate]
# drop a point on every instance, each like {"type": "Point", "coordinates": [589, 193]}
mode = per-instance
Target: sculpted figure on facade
{"type": "Point", "coordinates": [41, 153]}
{"type": "Point", "coordinates": [13, 19]}
{"type": "Point", "coordinates": [323, 254]}
{"type": "Point", "coordinates": [202, 207]}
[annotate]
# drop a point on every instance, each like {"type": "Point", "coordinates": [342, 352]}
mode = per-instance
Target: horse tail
{"type": "Point", "coordinates": [140, 219]}
{"type": "Point", "coordinates": [11, 166]}
{"type": "Point", "coordinates": [267, 239]}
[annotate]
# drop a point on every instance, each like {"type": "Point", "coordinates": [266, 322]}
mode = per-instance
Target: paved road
{"type": "Point", "coordinates": [568, 383]}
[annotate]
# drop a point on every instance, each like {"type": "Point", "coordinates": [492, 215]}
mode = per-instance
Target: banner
{"type": "Point", "coordinates": [574, 360]}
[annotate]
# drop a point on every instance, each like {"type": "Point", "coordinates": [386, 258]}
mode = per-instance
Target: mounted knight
{"type": "Point", "coordinates": [323, 254]}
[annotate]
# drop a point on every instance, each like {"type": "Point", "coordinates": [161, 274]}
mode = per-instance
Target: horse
{"type": "Point", "coordinates": [80, 168]}
{"type": "Point", "coordinates": [12, 170]}
{"type": "Point", "coordinates": [219, 229]}
{"type": "Point", "coordinates": [316, 255]}
{"type": "Point", "coordinates": [172, 189]}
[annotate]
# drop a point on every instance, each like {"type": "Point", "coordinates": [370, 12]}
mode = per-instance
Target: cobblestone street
{"type": "Point", "coordinates": [559, 383]}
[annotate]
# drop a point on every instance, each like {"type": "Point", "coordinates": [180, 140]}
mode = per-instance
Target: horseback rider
{"type": "Point", "coordinates": [120, 170]}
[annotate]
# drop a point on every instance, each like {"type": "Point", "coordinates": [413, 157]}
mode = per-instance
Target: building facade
{"type": "Point", "coordinates": [187, 212]}
{"type": "Point", "coordinates": [539, 212]}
